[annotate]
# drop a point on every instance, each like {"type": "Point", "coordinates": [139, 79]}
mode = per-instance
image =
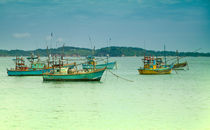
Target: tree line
{"type": "Point", "coordinates": [113, 51]}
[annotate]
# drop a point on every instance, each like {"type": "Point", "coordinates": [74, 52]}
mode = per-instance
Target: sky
{"type": "Point", "coordinates": [182, 25]}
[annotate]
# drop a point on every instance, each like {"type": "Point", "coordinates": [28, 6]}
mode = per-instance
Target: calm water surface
{"type": "Point", "coordinates": [177, 101]}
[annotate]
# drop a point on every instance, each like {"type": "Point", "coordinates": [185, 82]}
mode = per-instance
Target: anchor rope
{"type": "Point", "coordinates": [120, 76]}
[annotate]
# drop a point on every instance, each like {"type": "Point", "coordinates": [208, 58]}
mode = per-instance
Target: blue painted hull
{"type": "Point", "coordinates": [91, 76]}
{"type": "Point", "coordinates": [110, 65]}
{"type": "Point", "coordinates": [27, 73]}
{"type": "Point", "coordinates": [31, 72]}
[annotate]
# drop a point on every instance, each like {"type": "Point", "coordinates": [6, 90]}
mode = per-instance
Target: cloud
{"type": "Point", "coordinates": [21, 35]}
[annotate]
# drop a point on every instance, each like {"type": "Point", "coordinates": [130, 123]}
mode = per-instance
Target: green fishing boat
{"type": "Point", "coordinates": [67, 74]}
{"type": "Point", "coordinates": [21, 69]}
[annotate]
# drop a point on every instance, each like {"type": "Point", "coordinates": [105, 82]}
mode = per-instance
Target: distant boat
{"type": "Point", "coordinates": [92, 63]}
{"type": "Point", "coordinates": [21, 69]}
{"type": "Point", "coordinates": [178, 64]}
{"type": "Point", "coordinates": [154, 66]}
{"type": "Point", "coordinates": [65, 74]}
{"type": "Point", "coordinates": [36, 68]}
{"type": "Point", "coordinates": [109, 65]}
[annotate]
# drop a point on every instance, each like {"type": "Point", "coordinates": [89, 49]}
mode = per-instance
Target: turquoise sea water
{"type": "Point", "coordinates": [158, 102]}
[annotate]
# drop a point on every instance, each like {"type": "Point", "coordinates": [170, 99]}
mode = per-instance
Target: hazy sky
{"type": "Point", "coordinates": [180, 24]}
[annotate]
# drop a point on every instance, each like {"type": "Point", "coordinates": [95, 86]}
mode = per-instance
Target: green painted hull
{"type": "Point", "coordinates": [93, 76]}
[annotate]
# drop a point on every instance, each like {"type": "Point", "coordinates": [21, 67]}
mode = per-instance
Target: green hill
{"type": "Point", "coordinates": [112, 51]}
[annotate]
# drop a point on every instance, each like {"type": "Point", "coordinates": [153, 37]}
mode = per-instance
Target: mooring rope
{"type": "Point", "coordinates": [120, 76]}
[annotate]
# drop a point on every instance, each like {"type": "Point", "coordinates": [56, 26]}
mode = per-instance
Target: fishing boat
{"type": "Point", "coordinates": [154, 66]}
{"type": "Point", "coordinates": [36, 68]}
{"type": "Point", "coordinates": [21, 69]}
{"type": "Point", "coordinates": [92, 63]}
{"type": "Point", "coordinates": [178, 64]}
{"type": "Point", "coordinates": [67, 74]}
{"type": "Point", "coordinates": [56, 63]}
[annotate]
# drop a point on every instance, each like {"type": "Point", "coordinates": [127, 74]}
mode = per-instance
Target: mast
{"type": "Point", "coordinates": [93, 51]}
{"type": "Point", "coordinates": [53, 63]}
{"type": "Point", "coordinates": [63, 49]}
{"type": "Point", "coordinates": [62, 57]}
{"type": "Point", "coordinates": [165, 54]}
{"type": "Point", "coordinates": [59, 65]}
{"type": "Point", "coordinates": [144, 52]}
{"type": "Point", "coordinates": [32, 59]}
{"type": "Point", "coordinates": [177, 56]}
{"type": "Point", "coordinates": [91, 44]}
{"type": "Point", "coordinates": [108, 48]}
{"type": "Point", "coordinates": [107, 60]}
{"type": "Point", "coordinates": [48, 55]}
{"type": "Point", "coordinates": [16, 63]}
{"type": "Point", "coordinates": [51, 37]}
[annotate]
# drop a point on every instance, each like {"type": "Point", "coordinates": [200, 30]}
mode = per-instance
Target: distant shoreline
{"type": "Point", "coordinates": [113, 51]}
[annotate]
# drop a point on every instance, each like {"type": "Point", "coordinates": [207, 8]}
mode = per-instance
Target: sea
{"type": "Point", "coordinates": [179, 101]}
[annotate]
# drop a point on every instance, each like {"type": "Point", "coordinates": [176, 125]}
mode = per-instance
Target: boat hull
{"type": "Point", "coordinates": [27, 72]}
{"type": "Point", "coordinates": [32, 72]}
{"type": "Point", "coordinates": [154, 72]}
{"type": "Point", "coordinates": [90, 76]}
{"type": "Point", "coordinates": [110, 65]}
{"type": "Point", "coordinates": [180, 65]}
